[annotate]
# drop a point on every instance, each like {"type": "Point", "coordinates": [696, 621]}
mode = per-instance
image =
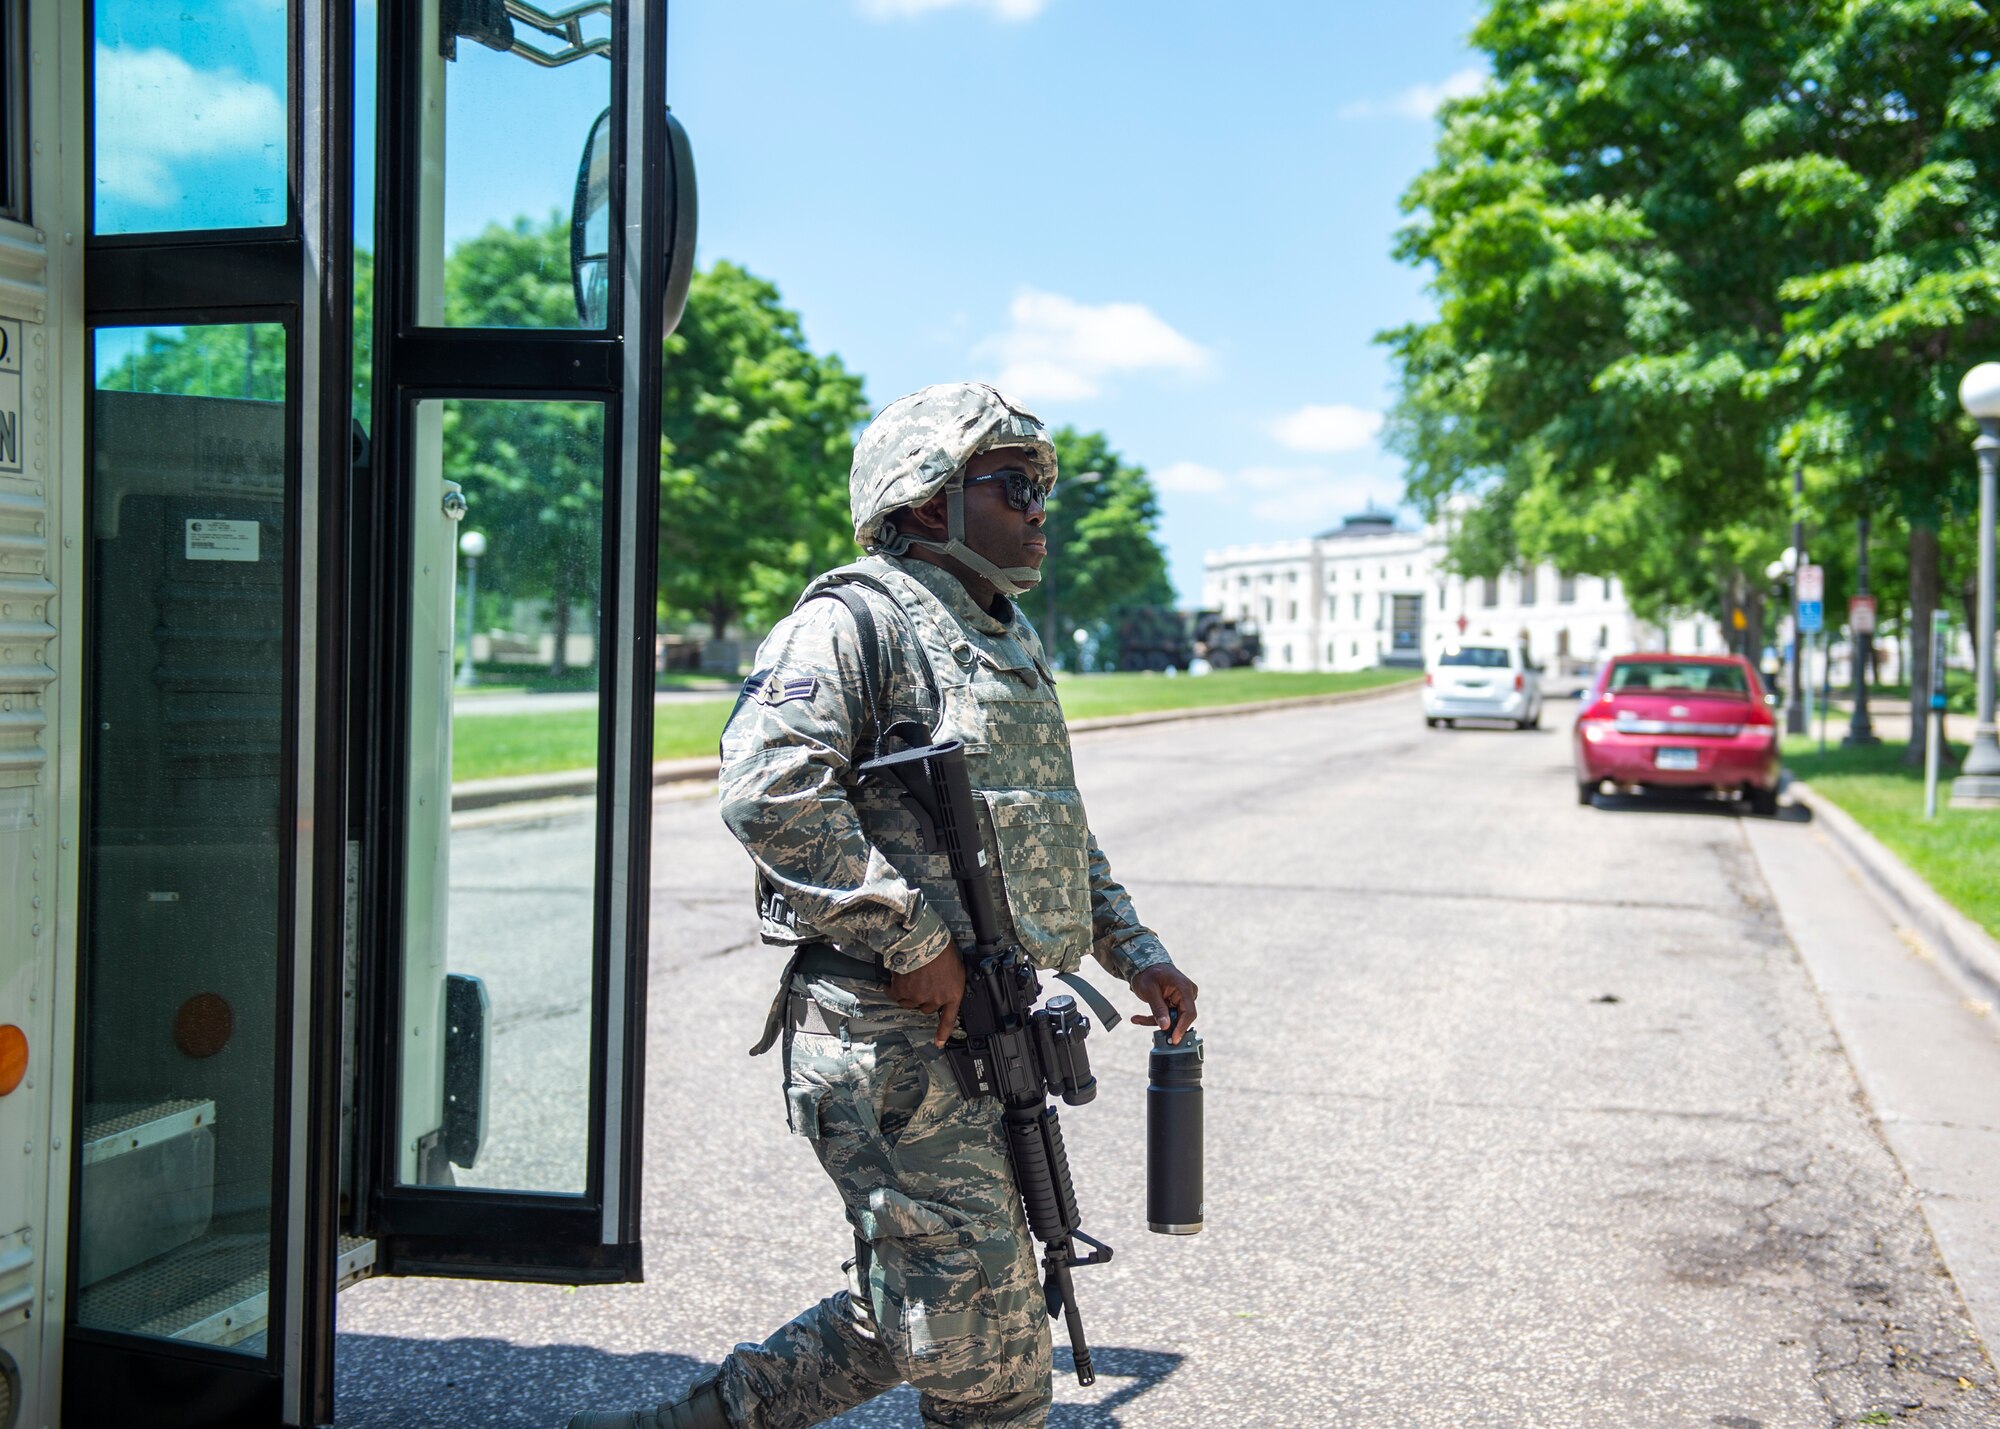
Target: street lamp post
{"type": "Point", "coordinates": [472, 545]}
{"type": "Point", "coordinates": [1780, 572]}
{"type": "Point", "coordinates": [1795, 705]}
{"type": "Point", "coordinates": [1978, 783]}
{"type": "Point", "coordinates": [1860, 728]}
{"type": "Point", "coordinates": [1082, 478]}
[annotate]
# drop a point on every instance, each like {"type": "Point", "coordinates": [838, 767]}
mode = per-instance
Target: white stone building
{"type": "Point", "coordinates": [1372, 593]}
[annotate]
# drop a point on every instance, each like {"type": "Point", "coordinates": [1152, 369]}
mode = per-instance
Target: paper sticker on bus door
{"type": "Point", "coordinates": [222, 540]}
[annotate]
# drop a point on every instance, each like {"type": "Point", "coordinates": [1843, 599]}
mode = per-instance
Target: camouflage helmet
{"type": "Point", "coordinates": [918, 443]}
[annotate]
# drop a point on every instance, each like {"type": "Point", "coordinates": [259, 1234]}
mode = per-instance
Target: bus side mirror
{"type": "Point", "coordinates": [682, 220]}
{"type": "Point", "coordinates": [590, 226]}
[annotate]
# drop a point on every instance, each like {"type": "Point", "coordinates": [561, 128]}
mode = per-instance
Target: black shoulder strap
{"type": "Point", "coordinates": [874, 672]}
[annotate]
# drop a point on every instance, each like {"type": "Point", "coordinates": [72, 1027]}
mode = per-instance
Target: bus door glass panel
{"type": "Point", "coordinates": [506, 111]}
{"type": "Point", "coordinates": [186, 868]}
{"type": "Point", "coordinates": [499, 923]}
{"type": "Point", "coordinates": [189, 129]}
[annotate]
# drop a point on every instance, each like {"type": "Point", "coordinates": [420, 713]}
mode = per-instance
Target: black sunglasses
{"type": "Point", "coordinates": [1023, 490]}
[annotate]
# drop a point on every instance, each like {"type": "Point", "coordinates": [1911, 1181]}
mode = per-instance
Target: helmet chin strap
{"type": "Point", "coordinates": [1008, 580]}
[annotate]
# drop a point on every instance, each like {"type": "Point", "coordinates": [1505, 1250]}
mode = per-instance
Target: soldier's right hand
{"type": "Point", "coordinates": [937, 986]}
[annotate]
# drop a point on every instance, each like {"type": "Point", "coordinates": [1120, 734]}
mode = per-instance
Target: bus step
{"type": "Point", "coordinates": [118, 1128]}
{"type": "Point", "coordinates": [214, 1291]}
{"type": "Point", "coordinates": [148, 1182]}
{"type": "Point", "coordinates": [357, 1262]}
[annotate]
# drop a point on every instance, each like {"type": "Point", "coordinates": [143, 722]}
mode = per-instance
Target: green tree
{"type": "Point", "coordinates": [758, 436]}
{"type": "Point", "coordinates": [1681, 248]}
{"type": "Point", "coordinates": [533, 471]}
{"type": "Point", "coordinates": [1598, 305]}
{"type": "Point", "coordinates": [1883, 154]}
{"type": "Point", "coordinates": [224, 360]}
{"type": "Point", "coordinates": [1104, 549]}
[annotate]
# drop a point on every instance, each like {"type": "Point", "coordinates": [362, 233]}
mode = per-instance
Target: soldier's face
{"type": "Point", "coordinates": [994, 529]}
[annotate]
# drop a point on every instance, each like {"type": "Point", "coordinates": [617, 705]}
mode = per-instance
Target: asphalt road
{"type": "Point", "coordinates": [1519, 1113]}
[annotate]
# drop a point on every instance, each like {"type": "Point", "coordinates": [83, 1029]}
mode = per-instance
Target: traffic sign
{"type": "Point", "coordinates": [1861, 614]}
{"type": "Point", "coordinates": [1812, 585]}
{"type": "Point", "coordinates": [1812, 616]}
{"type": "Point", "coordinates": [1940, 651]}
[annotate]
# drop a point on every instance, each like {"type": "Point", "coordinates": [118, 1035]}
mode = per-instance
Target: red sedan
{"type": "Point", "coordinates": [1679, 722]}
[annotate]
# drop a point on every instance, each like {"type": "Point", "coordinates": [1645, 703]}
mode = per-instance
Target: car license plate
{"type": "Point", "coordinates": [1676, 759]}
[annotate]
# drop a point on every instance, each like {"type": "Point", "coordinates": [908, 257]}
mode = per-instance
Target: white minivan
{"type": "Point", "coordinates": [1483, 681]}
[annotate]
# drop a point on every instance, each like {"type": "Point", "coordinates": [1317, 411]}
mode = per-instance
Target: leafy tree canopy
{"type": "Point", "coordinates": [533, 471]}
{"type": "Point", "coordinates": [1104, 549]}
{"type": "Point", "coordinates": [1682, 248]}
{"type": "Point", "coordinates": [758, 436]}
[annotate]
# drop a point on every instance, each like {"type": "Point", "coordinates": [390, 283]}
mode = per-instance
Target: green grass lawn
{"type": "Point", "coordinates": [1957, 853]}
{"type": "Point", "coordinates": [1093, 696]}
{"type": "Point", "coordinates": [490, 745]}
{"type": "Point", "coordinates": [1960, 692]}
{"type": "Point", "coordinates": [529, 680]}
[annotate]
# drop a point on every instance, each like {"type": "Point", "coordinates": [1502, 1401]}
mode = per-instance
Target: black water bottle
{"type": "Point", "coordinates": [1173, 1136]}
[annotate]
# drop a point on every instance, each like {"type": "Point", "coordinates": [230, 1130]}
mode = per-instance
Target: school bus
{"type": "Point", "coordinates": [246, 994]}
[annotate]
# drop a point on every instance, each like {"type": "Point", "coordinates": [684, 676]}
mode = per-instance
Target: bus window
{"type": "Point", "coordinates": [190, 125]}
{"type": "Point", "coordinates": [499, 924]}
{"type": "Point", "coordinates": [185, 849]}
{"type": "Point", "coordinates": [502, 163]}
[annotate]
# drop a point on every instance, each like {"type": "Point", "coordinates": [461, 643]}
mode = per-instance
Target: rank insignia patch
{"type": "Point", "coordinates": [775, 689]}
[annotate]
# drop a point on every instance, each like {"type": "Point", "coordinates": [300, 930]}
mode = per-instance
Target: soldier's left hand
{"type": "Point", "coordinates": [1170, 993]}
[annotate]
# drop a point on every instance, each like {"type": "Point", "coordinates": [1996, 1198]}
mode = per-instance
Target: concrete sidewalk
{"type": "Point", "coordinates": [1922, 1041]}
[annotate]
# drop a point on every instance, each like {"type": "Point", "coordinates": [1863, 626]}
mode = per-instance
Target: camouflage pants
{"type": "Point", "coordinates": [942, 1293]}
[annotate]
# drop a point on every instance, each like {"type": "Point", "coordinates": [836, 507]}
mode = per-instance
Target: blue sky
{"type": "Point", "coordinates": [1170, 221]}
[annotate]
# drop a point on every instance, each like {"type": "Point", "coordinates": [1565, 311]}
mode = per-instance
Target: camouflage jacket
{"type": "Point", "coordinates": [846, 864]}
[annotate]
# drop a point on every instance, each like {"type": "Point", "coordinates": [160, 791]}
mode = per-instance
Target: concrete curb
{"type": "Point", "coordinates": [1966, 945]}
{"type": "Point", "coordinates": [568, 783]}
{"type": "Point", "coordinates": [572, 783]}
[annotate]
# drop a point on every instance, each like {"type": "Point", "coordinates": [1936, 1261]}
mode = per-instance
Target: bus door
{"type": "Point", "coordinates": [313, 1040]}
{"type": "Point", "coordinates": [522, 292]}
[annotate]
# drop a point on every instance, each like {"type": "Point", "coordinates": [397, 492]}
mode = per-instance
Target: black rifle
{"type": "Point", "coordinates": [1003, 1047]}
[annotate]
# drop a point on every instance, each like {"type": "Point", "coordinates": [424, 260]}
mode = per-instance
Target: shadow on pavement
{"type": "Point", "coordinates": [387, 1382]}
{"type": "Point", "coordinates": [1125, 1374]}
{"type": "Point", "coordinates": [1138, 1371]}
{"type": "Point", "coordinates": [1698, 804]}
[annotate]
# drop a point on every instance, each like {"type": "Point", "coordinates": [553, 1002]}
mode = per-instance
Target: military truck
{"type": "Point", "coordinates": [1158, 637]}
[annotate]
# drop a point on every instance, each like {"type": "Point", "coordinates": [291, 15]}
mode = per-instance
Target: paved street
{"type": "Point", "coordinates": [1519, 1113]}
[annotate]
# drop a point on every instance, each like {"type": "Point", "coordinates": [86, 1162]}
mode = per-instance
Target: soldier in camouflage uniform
{"type": "Point", "coordinates": [947, 491]}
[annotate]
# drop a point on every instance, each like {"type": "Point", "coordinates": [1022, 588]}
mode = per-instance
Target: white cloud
{"type": "Point", "coordinates": [1189, 476]}
{"type": "Point", "coordinates": [1419, 101]}
{"type": "Point", "coordinates": [1317, 501]}
{"type": "Point", "coordinates": [911, 9]}
{"type": "Point", "coordinates": [1058, 349]}
{"type": "Point", "coordinates": [1327, 429]}
{"type": "Point", "coordinates": [1300, 499]}
{"type": "Point", "coordinates": [155, 109]}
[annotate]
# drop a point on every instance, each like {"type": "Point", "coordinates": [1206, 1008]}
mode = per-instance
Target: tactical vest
{"type": "Point", "coordinates": [997, 697]}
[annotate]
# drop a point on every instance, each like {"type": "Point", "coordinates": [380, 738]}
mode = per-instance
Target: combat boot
{"type": "Point", "coordinates": [699, 1408]}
